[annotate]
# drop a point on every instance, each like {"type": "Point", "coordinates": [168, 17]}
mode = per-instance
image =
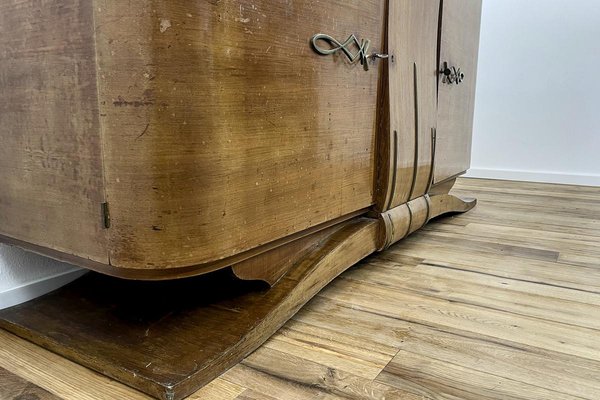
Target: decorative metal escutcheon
{"type": "Point", "coordinates": [346, 47]}
{"type": "Point", "coordinates": [452, 74]}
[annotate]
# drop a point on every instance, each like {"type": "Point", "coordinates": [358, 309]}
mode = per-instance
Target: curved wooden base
{"type": "Point", "coordinates": [447, 203]}
{"type": "Point", "coordinates": [168, 339]}
{"type": "Point", "coordinates": [405, 219]}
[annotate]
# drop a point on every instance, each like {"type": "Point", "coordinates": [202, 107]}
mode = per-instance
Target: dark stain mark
{"type": "Point", "coordinates": [156, 228]}
{"type": "Point", "coordinates": [144, 132]}
{"type": "Point", "coordinates": [121, 102]}
{"type": "Point", "coordinates": [331, 372]}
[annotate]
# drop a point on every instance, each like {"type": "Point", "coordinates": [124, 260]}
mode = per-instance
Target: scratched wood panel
{"type": "Point", "coordinates": [50, 151]}
{"type": "Point", "coordinates": [224, 130]}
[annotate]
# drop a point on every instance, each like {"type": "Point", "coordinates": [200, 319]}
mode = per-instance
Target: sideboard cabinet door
{"type": "Point", "coordinates": [459, 44]}
{"type": "Point", "coordinates": [409, 108]}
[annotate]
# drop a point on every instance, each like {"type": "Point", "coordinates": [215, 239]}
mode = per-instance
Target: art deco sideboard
{"type": "Point", "coordinates": [155, 139]}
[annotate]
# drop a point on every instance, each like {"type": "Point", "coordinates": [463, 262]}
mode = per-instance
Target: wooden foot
{"type": "Point", "coordinates": [447, 203]}
{"type": "Point", "coordinates": [401, 221]}
{"type": "Point", "coordinates": [170, 338]}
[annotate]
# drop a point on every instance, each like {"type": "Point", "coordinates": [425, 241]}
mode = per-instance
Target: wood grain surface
{"type": "Point", "coordinates": [50, 148]}
{"type": "Point", "coordinates": [224, 130]}
{"type": "Point", "coordinates": [405, 149]}
{"type": "Point", "coordinates": [210, 128]}
{"type": "Point", "coordinates": [502, 302]}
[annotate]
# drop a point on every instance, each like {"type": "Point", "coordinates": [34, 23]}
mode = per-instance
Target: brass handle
{"type": "Point", "coordinates": [374, 56]}
{"type": "Point", "coordinates": [452, 74]}
{"type": "Point", "coordinates": [345, 47]}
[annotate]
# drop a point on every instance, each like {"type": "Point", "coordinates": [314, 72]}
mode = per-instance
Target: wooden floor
{"type": "Point", "coordinates": [499, 303]}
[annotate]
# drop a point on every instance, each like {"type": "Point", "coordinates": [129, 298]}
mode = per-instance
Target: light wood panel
{"type": "Point", "coordinates": [459, 44]}
{"type": "Point", "coordinates": [448, 313]}
{"type": "Point", "coordinates": [50, 149]}
{"type": "Point", "coordinates": [405, 147]}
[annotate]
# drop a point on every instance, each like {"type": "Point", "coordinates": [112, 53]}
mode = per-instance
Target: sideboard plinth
{"type": "Point", "coordinates": [169, 338]}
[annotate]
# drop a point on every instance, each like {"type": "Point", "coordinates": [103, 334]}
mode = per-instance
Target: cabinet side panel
{"type": "Point", "coordinates": [459, 46]}
{"type": "Point", "coordinates": [225, 130]}
{"type": "Point", "coordinates": [51, 185]}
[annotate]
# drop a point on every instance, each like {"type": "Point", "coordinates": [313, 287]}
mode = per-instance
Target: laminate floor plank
{"type": "Point", "coordinates": [568, 277]}
{"type": "Point", "coordinates": [583, 260]}
{"type": "Point", "coordinates": [441, 380]}
{"type": "Point", "coordinates": [525, 217]}
{"type": "Point", "coordinates": [278, 373]}
{"type": "Point", "coordinates": [13, 387]}
{"type": "Point", "coordinates": [444, 345]}
{"type": "Point", "coordinates": [252, 395]}
{"type": "Point", "coordinates": [558, 239]}
{"type": "Point", "coordinates": [539, 241]}
{"type": "Point", "coordinates": [450, 241]}
{"type": "Point", "coordinates": [340, 351]}
{"type": "Point", "coordinates": [561, 207]}
{"type": "Point", "coordinates": [485, 321]}
{"type": "Point", "coordinates": [57, 375]}
{"type": "Point", "coordinates": [219, 389]}
{"type": "Point", "coordinates": [505, 186]}
{"type": "Point", "coordinates": [523, 298]}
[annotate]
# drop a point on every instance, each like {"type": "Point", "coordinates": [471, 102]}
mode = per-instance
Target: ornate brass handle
{"type": "Point", "coordinates": [452, 74]}
{"type": "Point", "coordinates": [335, 46]}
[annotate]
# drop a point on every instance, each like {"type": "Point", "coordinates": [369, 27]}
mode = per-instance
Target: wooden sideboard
{"type": "Point", "coordinates": [284, 141]}
{"type": "Point", "coordinates": [153, 140]}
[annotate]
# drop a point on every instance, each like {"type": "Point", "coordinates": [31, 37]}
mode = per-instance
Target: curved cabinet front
{"type": "Point", "coordinates": [406, 146]}
{"type": "Point", "coordinates": [202, 134]}
{"type": "Point", "coordinates": [222, 130]}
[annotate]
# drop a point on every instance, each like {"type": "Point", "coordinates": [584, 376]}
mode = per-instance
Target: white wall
{"type": "Point", "coordinates": [537, 113]}
{"type": "Point", "coordinates": [24, 275]}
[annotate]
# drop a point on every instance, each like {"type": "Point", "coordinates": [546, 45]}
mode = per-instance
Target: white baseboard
{"type": "Point", "coordinates": [40, 287]}
{"type": "Point", "coordinates": [530, 176]}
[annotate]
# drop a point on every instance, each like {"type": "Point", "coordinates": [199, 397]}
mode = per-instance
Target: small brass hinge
{"type": "Point", "coordinates": [105, 215]}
